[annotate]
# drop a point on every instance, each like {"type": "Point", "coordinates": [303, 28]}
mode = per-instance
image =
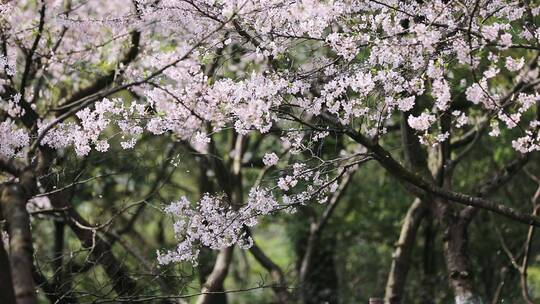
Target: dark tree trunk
{"type": "Point", "coordinates": [214, 282]}
{"type": "Point", "coordinates": [320, 284]}
{"type": "Point", "coordinates": [402, 254]}
{"type": "Point", "coordinates": [460, 274]}
{"type": "Point", "coordinates": [428, 262]}
{"type": "Point", "coordinates": [13, 203]}
{"type": "Point", "coordinates": [207, 258]}
{"type": "Point", "coordinates": [6, 284]}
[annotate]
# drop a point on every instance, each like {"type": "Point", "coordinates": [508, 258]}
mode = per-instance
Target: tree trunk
{"type": "Point", "coordinates": [402, 254]}
{"type": "Point", "coordinates": [206, 261]}
{"type": "Point", "coordinates": [13, 203]}
{"type": "Point", "coordinates": [7, 295]}
{"type": "Point", "coordinates": [321, 284]}
{"type": "Point", "coordinates": [62, 279]}
{"type": "Point", "coordinates": [214, 282]}
{"type": "Point", "coordinates": [457, 259]}
{"type": "Point", "coordinates": [319, 279]}
{"type": "Point", "coordinates": [429, 279]}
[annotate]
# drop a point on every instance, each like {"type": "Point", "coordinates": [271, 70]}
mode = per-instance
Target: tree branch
{"type": "Point", "coordinates": [402, 174]}
{"type": "Point", "coordinates": [275, 271]}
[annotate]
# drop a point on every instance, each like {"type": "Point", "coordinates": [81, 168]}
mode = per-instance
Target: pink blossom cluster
{"type": "Point", "coordinates": [13, 139]}
{"type": "Point", "coordinates": [305, 70]}
{"type": "Point", "coordinates": [214, 223]}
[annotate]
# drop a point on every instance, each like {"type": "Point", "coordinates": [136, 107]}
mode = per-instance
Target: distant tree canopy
{"type": "Point", "coordinates": [240, 151]}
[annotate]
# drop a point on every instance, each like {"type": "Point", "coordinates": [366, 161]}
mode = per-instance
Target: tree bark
{"type": "Point", "coordinates": [455, 249]}
{"type": "Point", "coordinates": [61, 279]}
{"type": "Point", "coordinates": [7, 294]}
{"type": "Point", "coordinates": [321, 281]}
{"type": "Point", "coordinates": [429, 279]}
{"type": "Point", "coordinates": [214, 282]}
{"type": "Point", "coordinates": [13, 203]}
{"type": "Point", "coordinates": [402, 254]}
{"type": "Point", "coordinates": [318, 279]}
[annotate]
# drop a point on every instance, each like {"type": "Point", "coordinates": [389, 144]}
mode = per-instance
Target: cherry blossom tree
{"type": "Point", "coordinates": [98, 77]}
